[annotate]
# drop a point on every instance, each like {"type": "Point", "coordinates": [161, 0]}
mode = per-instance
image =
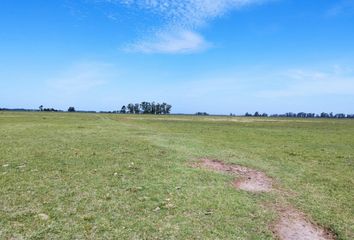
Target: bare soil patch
{"type": "Point", "coordinates": [293, 225]}
{"type": "Point", "coordinates": [250, 180]}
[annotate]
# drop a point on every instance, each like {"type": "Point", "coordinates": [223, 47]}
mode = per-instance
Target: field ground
{"type": "Point", "coordinates": [97, 176]}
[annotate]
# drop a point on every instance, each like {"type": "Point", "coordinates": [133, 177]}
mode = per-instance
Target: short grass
{"type": "Point", "coordinates": [131, 177]}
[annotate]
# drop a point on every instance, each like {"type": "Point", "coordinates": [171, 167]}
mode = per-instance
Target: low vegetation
{"type": "Point", "coordinates": [99, 176]}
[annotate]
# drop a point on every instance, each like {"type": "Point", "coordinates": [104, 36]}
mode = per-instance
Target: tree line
{"type": "Point", "coordinates": [137, 108]}
{"type": "Point", "coordinates": [202, 113]}
{"type": "Point", "coordinates": [301, 115]}
{"type": "Point", "coordinates": [146, 108]}
{"type": "Point", "coordinates": [164, 108]}
{"type": "Point", "coordinates": [43, 109]}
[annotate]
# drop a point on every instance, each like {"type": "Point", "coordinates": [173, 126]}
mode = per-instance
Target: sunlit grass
{"type": "Point", "coordinates": [108, 176]}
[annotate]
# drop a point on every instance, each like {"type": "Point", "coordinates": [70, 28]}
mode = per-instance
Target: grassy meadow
{"type": "Point", "coordinates": [106, 176]}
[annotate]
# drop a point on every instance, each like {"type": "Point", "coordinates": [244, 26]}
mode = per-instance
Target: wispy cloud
{"type": "Point", "coordinates": [81, 77]}
{"type": "Point", "coordinates": [183, 41]}
{"type": "Point", "coordinates": [301, 83]}
{"type": "Point", "coordinates": [181, 20]}
{"type": "Point", "coordinates": [341, 7]}
{"type": "Point", "coordinates": [188, 13]}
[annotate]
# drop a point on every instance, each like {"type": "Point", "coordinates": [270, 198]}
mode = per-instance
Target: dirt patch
{"type": "Point", "coordinates": [250, 180]}
{"type": "Point", "coordinates": [293, 225]}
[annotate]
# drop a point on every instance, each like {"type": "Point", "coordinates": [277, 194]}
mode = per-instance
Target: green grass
{"type": "Point", "coordinates": [130, 177]}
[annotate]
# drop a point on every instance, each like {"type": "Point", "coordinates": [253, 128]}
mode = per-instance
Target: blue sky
{"type": "Point", "coordinates": [218, 56]}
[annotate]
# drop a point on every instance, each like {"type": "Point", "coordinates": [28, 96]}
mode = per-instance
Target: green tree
{"type": "Point", "coordinates": [137, 108]}
{"type": "Point", "coordinates": [131, 108]}
{"type": "Point", "coordinates": [168, 108]}
{"type": "Point", "coordinates": [158, 108]}
{"type": "Point", "coordinates": [123, 109]}
{"type": "Point", "coordinates": [153, 108]}
{"type": "Point", "coordinates": [148, 108]}
{"type": "Point", "coordinates": [145, 107]}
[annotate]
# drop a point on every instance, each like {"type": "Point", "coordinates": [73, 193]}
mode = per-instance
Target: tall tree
{"type": "Point", "coordinates": [137, 108]}
{"type": "Point", "coordinates": [148, 108]}
{"type": "Point", "coordinates": [123, 109]}
{"type": "Point", "coordinates": [145, 107]}
{"type": "Point", "coordinates": [153, 108]}
{"type": "Point", "coordinates": [168, 108]}
{"type": "Point", "coordinates": [163, 108]}
{"type": "Point", "coordinates": [131, 108]}
{"type": "Point", "coordinates": [159, 108]}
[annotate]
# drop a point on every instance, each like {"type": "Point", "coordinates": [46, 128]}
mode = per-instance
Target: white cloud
{"type": "Point", "coordinates": [188, 13]}
{"type": "Point", "coordinates": [180, 19]}
{"type": "Point", "coordinates": [183, 41]}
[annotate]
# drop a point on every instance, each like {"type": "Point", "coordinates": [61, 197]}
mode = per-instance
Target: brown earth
{"type": "Point", "coordinates": [292, 224]}
{"type": "Point", "coordinates": [250, 180]}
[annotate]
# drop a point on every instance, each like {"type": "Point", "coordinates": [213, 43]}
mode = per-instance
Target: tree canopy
{"type": "Point", "coordinates": [147, 108]}
{"type": "Point", "coordinates": [71, 109]}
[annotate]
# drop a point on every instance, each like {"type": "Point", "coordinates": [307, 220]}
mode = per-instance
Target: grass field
{"type": "Point", "coordinates": [96, 176]}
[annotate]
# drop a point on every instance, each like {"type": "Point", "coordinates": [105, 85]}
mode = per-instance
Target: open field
{"type": "Point", "coordinates": [97, 176]}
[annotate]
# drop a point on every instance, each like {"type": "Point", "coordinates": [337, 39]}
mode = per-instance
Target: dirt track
{"type": "Point", "coordinates": [291, 223]}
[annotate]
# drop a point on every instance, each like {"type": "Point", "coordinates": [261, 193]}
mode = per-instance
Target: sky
{"type": "Point", "coordinates": [215, 56]}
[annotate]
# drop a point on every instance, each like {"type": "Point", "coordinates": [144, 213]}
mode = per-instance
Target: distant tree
{"type": "Point", "coordinates": [145, 107]}
{"type": "Point", "coordinates": [41, 108]}
{"type": "Point", "coordinates": [123, 109]}
{"type": "Point", "coordinates": [202, 114]}
{"type": "Point", "coordinates": [137, 108]}
{"type": "Point", "coordinates": [131, 108]}
{"type": "Point", "coordinates": [71, 109]}
{"type": "Point", "coordinates": [303, 115]}
{"type": "Point", "coordinates": [310, 115]}
{"type": "Point", "coordinates": [160, 109]}
{"type": "Point", "coordinates": [290, 114]}
{"type": "Point", "coordinates": [153, 109]}
{"type": "Point", "coordinates": [50, 110]}
{"type": "Point", "coordinates": [339, 115]}
{"type": "Point", "coordinates": [163, 108]}
{"type": "Point", "coordinates": [168, 108]}
{"type": "Point", "coordinates": [149, 108]}
{"type": "Point", "coordinates": [324, 115]}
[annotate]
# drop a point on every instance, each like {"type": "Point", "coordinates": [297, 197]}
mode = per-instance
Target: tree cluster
{"type": "Point", "coordinates": [43, 109]}
{"type": "Point", "coordinates": [146, 108]}
{"type": "Point", "coordinates": [302, 115]}
{"type": "Point", "coordinates": [256, 114]}
{"type": "Point", "coordinates": [71, 109]}
{"type": "Point", "coordinates": [202, 114]}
